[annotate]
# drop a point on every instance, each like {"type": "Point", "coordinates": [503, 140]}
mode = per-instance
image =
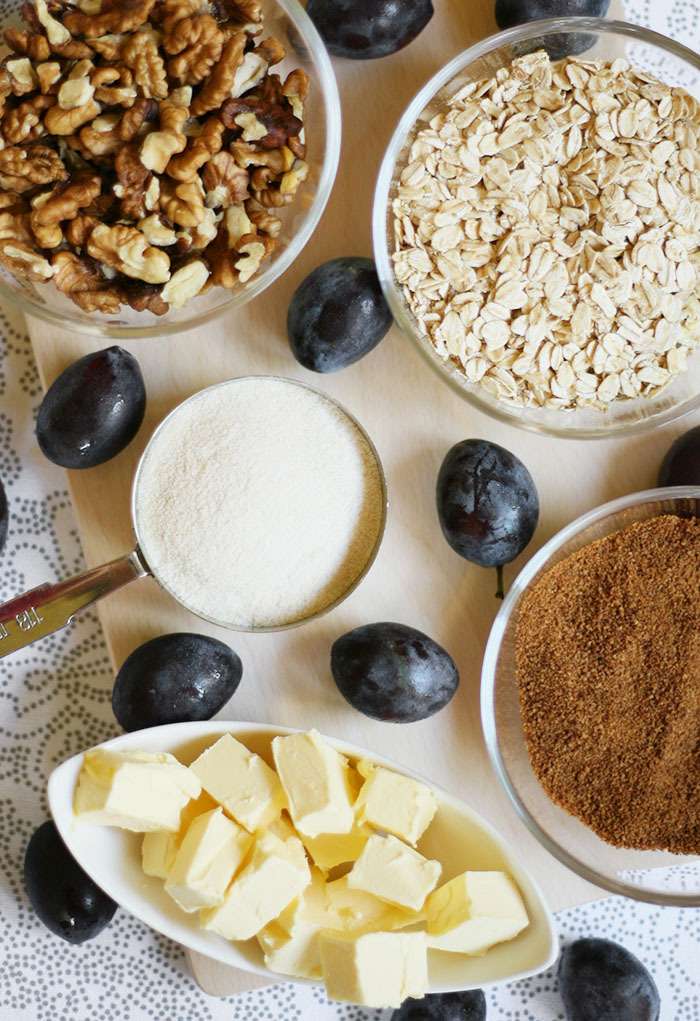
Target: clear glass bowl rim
{"type": "Point", "coordinates": [521, 33]}
{"type": "Point", "coordinates": [488, 677]}
{"type": "Point", "coordinates": [331, 103]}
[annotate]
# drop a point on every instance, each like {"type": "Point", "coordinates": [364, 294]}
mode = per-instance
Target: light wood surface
{"type": "Point", "coordinates": [413, 419]}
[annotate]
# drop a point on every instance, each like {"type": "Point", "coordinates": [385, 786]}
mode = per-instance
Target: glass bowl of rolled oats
{"type": "Point", "coordinates": [162, 162]}
{"type": "Point", "coordinates": [536, 227]}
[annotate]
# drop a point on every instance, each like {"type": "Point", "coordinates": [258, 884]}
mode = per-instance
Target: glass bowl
{"type": "Point", "coordinates": [647, 50]}
{"type": "Point", "coordinates": [287, 21]}
{"type": "Point", "coordinates": [652, 876]}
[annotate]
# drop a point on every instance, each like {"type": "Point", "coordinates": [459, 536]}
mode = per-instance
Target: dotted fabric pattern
{"type": "Point", "coordinates": [55, 693]}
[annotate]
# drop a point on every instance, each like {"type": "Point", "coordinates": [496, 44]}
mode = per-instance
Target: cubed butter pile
{"type": "Point", "coordinates": [316, 859]}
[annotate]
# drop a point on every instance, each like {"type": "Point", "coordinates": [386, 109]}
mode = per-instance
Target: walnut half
{"type": "Point", "coordinates": [127, 250]}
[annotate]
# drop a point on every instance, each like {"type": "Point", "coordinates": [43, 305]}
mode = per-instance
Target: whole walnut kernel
{"type": "Point", "coordinates": [49, 209]}
{"type": "Point", "coordinates": [126, 249]}
{"type": "Point", "coordinates": [132, 181]}
{"type": "Point", "coordinates": [14, 224]}
{"type": "Point", "coordinates": [108, 301]}
{"type": "Point", "coordinates": [141, 55]}
{"type": "Point", "coordinates": [225, 183]}
{"type": "Point", "coordinates": [145, 297]}
{"type": "Point", "coordinates": [101, 137]}
{"type": "Point", "coordinates": [197, 44]}
{"type": "Point", "coordinates": [182, 202]}
{"type": "Point", "coordinates": [75, 273]}
{"type": "Point", "coordinates": [199, 150]}
{"type": "Point", "coordinates": [82, 280]}
{"type": "Point", "coordinates": [23, 123]}
{"type": "Point", "coordinates": [133, 119]}
{"type": "Point", "coordinates": [279, 122]}
{"type": "Point", "coordinates": [169, 12]}
{"type": "Point", "coordinates": [22, 259]}
{"type": "Point", "coordinates": [48, 72]}
{"type": "Point", "coordinates": [262, 219]}
{"type": "Point", "coordinates": [238, 11]}
{"type": "Point", "coordinates": [271, 50]}
{"type": "Point", "coordinates": [252, 250]}
{"type": "Point", "coordinates": [218, 85]}
{"type": "Point", "coordinates": [79, 230]}
{"type": "Point", "coordinates": [34, 45]}
{"type": "Point", "coordinates": [22, 168]}
{"type": "Point", "coordinates": [222, 253]}
{"type": "Point", "coordinates": [274, 161]}
{"type": "Point", "coordinates": [66, 122]}
{"type": "Point", "coordinates": [56, 33]}
{"type": "Point", "coordinates": [185, 283]}
{"type": "Point", "coordinates": [21, 76]}
{"type": "Point", "coordinates": [109, 46]}
{"type": "Point", "coordinates": [158, 146]}
{"type": "Point", "coordinates": [113, 16]}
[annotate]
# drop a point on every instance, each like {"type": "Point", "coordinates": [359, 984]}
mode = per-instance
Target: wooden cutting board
{"type": "Point", "coordinates": [413, 419]}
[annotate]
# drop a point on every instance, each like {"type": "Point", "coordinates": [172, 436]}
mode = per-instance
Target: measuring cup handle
{"type": "Point", "coordinates": [49, 607]}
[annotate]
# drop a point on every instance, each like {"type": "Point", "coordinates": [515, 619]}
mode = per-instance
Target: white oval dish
{"type": "Point", "coordinates": [457, 837]}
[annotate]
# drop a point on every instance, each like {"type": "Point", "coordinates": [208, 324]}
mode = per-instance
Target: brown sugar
{"type": "Point", "coordinates": [608, 667]}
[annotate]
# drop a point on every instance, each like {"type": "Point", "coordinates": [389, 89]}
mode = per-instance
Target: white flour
{"type": "Point", "coordinates": [259, 503]}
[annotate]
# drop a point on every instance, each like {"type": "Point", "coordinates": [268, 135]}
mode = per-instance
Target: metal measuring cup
{"type": "Point", "coordinates": [51, 606]}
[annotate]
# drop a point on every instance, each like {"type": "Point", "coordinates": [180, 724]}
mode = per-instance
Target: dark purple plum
{"type": "Point", "coordinates": [681, 464]}
{"type": "Point", "coordinates": [175, 678]}
{"type": "Point", "coordinates": [92, 410]}
{"type": "Point", "coordinates": [393, 672]}
{"type": "Point", "coordinates": [599, 979]}
{"type": "Point", "coordinates": [4, 517]}
{"type": "Point", "coordinates": [487, 503]}
{"type": "Point", "coordinates": [64, 897]}
{"type": "Point", "coordinates": [337, 314]}
{"type": "Point", "coordinates": [469, 1005]}
{"type": "Point", "coordinates": [364, 29]}
{"type": "Point", "coordinates": [517, 12]}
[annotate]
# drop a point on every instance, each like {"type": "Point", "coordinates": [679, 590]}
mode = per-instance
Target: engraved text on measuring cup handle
{"type": "Point", "coordinates": [49, 607]}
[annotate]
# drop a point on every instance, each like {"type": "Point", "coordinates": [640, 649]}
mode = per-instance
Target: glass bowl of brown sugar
{"type": "Point", "coordinates": [590, 696]}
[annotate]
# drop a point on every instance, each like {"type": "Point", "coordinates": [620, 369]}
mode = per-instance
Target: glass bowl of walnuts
{"type": "Point", "coordinates": [536, 222]}
{"type": "Point", "coordinates": [162, 161]}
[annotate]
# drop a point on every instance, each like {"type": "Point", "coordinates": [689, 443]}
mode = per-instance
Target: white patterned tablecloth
{"type": "Point", "coordinates": [55, 699]}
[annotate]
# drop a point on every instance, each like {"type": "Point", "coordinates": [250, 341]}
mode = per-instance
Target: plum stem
{"type": "Point", "coordinates": [499, 586]}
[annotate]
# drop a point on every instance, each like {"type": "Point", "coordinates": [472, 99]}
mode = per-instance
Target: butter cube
{"type": "Point", "coordinates": [282, 828]}
{"type": "Point", "coordinates": [395, 803]}
{"type": "Point", "coordinates": [311, 907]}
{"type": "Point", "coordinates": [159, 847]}
{"type": "Point", "coordinates": [377, 969]}
{"type": "Point", "coordinates": [240, 781]}
{"type": "Point", "coordinates": [210, 854]}
{"type": "Point", "coordinates": [297, 955]}
{"type": "Point", "coordinates": [358, 911]}
{"type": "Point", "coordinates": [158, 851]}
{"type": "Point", "coordinates": [138, 791]}
{"type": "Point", "coordinates": [316, 781]}
{"type": "Point", "coordinates": [290, 943]}
{"type": "Point", "coordinates": [332, 849]}
{"type": "Point", "coordinates": [473, 911]}
{"type": "Point", "coordinates": [276, 872]}
{"type": "Point", "coordinates": [394, 872]}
